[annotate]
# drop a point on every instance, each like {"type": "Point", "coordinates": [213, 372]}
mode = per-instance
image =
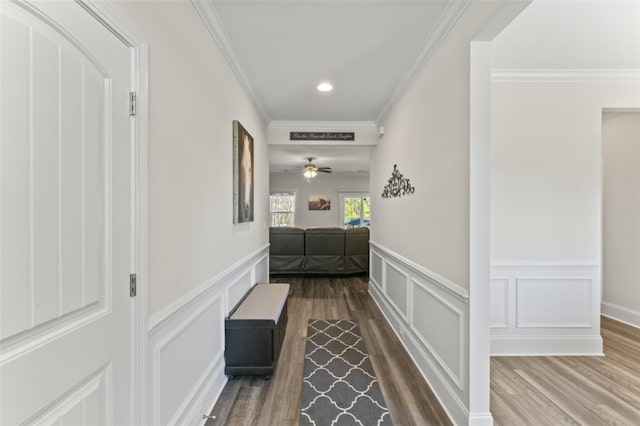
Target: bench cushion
{"type": "Point", "coordinates": [265, 302]}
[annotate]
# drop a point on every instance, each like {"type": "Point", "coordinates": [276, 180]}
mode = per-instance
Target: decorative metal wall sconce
{"type": "Point", "coordinates": [397, 185]}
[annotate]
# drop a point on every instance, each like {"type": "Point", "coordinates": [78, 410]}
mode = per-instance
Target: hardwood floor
{"type": "Point", "coordinates": [524, 390]}
{"type": "Point", "coordinates": [255, 401]}
{"type": "Point", "coordinates": [571, 390]}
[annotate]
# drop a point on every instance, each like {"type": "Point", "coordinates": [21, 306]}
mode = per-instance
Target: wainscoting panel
{"type": "Point", "coordinates": [177, 349]}
{"type": "Point", "coordinates": [186, 341]}
{"type": "Point", "coordinates": [396, 283]}
{"type": "Point", "coordinates": [432, 325]}
{"type": "Point", "coordinates": [238, 288]}
{"type": "Point", "coordinates": [376, 270]}
{"type": "Point", "coordinates": [438, 324]}
{"type": "Point", "coordinates": [553, 302]}
{"type": "Point", "coordinates": [499, 302]}
{"type": "Point", "coordinates": [545, 309]}
{"type": "Point", "coordinates": [262, 270]}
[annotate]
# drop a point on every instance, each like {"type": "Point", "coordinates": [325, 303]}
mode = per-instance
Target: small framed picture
{"type": "Point", "coordinates": [242, 174]}
{"type": "Point", "coordinates": [319, 202]}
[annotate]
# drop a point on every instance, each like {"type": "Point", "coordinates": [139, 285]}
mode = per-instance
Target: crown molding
{"type": "Point", "coordinates": [113, 20]}
{"type": "Point", "coordinates": [522, 75]}
{"type": "Point", "coordinates": [323, 125]}
{"type": "Point", "coordinates": [445, 23]}
{"type": "Point", "coordinates": [211, 20]}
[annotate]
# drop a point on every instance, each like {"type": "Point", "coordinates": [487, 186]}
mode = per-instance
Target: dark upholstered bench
{"type": "Point", "coordinates": [254, 331]}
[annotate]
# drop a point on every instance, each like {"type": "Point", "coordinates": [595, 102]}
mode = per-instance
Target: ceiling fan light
{"type": "Point", "coordinates": [310, 173]}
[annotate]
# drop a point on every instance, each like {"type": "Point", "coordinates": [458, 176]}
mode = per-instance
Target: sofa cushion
{"type": "Point", "coordinates": [286, 240]}
{"type": "Point", "coordinates": [356, 248]}
{"type": "Point", "coordinates": [286, 264]}
{"type": "Point", "coordinates": [324, 251]}
{"type": "Point", "coordinates": [356, 241]}
{"type": "Point", "coordinates": [324, 241]}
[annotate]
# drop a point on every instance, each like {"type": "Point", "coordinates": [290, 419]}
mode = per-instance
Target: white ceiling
{"type": "Point", "coordinates": [572, 35]}
{"type": "Point", "coordinates": [341, 159]}
{"type": "Point", "coordinates": [371, 50]}
{"type": "Point", "coordinates": [367, 49]}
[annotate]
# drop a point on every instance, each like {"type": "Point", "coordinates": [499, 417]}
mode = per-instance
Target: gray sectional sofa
{"type": "Point", "coordinates": [318, 250]}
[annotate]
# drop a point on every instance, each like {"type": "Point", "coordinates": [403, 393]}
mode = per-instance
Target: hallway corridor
{"type": "Point", "coordinates": [254, 401]}
{"type": "Point", "coordinates": [524, 390]}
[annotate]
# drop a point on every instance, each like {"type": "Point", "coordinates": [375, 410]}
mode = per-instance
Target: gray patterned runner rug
{"type": "Point", "coordinates": [339, 385]}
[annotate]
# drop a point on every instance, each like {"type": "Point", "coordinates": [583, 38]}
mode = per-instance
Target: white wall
{"type": "Point", "coordinates": [546, 213]}
{"type": "Point", "coordinates": [420, 242]}
{"type": "Point", "coordinates": [427, 136]}
{"type": "Point", "coordinates": [550, 85]}
{"type": "Point", "coordinates": [199, 262]}
{"type": "Point", "coordinates": [546, 221]}
{"type": "Point", "coordinates": [546, 168]}
{"type": "Point", "coordinates": [323, 184]}
{"type": "Point", "coordinates": [621, 216]}
{"type": "Point", "coordinates": [194, 97]}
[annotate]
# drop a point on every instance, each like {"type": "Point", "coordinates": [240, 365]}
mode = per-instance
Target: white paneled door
{"type": "Point", "coordinates": [65, 218]}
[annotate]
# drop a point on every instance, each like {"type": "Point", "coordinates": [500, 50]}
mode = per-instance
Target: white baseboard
{"type": "Point", "coordinates": [481, 419]}
{"type": "Point", "coordinates": [622, 314]}
{"type": "Point", "coordinates": [546, 345]}
{"type": "Point", "coordinates": [186, 344]}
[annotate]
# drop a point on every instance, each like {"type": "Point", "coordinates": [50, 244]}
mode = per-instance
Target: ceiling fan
{"type": "Point", "coordinates": [311, 170]}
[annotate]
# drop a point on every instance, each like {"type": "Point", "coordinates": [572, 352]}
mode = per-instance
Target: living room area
{"type": "Point", "coordinates": [319, 214]}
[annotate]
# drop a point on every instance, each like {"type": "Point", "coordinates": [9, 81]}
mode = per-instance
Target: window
{"type": "Point", "coordinates": [355, 209]}
{"type": "Point", "coordinates": [282, 206]}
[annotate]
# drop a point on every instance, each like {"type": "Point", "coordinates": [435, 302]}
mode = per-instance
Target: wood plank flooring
{"type": "Point", "coordinates": [571, 390]}
{"type": "Point", "coordinates": [255, 401]}
{"type": "Point", "coordinates": [524, 390]}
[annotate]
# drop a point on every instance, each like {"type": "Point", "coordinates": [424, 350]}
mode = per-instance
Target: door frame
{"type": "Point", "coordinates": [113, 21]}
{"type": "Point", "coordinates": [479, 212]}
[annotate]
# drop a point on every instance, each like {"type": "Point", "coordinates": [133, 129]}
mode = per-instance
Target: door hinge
{"type": "Point", "coordinates": [132, 285]}
{"type": "Point", "coordinates": [132, 103]}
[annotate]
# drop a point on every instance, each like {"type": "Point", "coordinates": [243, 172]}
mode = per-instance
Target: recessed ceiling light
{"type": "Point", "coordinates": [325, 87]}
